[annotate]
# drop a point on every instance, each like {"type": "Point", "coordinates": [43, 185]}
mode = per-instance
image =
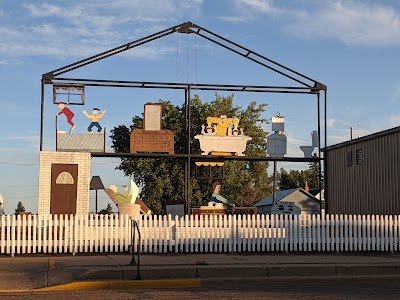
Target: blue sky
{"type": "Point", "coordinates": [351, 46]}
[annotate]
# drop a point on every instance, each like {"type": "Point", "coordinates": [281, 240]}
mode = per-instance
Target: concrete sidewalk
{"type": "Point", "coordinates": [33, 272]}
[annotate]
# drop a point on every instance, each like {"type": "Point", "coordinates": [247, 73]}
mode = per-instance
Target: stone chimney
{"type": "Point", "coordinates": [306, 187]}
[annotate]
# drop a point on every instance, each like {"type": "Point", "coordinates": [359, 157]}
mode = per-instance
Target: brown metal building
{"type": "Point", "coordinates": [363, 175]}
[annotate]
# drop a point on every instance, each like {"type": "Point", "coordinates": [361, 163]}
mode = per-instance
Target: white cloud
{"type": "Point", "coordinates": [354, 23]}
{"type": "Point", "coordinates": [394, 120]}
{"type": "Point", "coordinates": [235, 19]}
{"type": "Point", "coordinates": [82, 29]}
{"type": "Point", "coordinates": [43, 10]}
{"type": "Point", "coordinates": [246, 10]}
{"type": "Point", "coordinates": [264, 6]}
{"type": "Point", "coordinates": [152, 8]}
{"type": "Point", "coordinates": [332, 122]}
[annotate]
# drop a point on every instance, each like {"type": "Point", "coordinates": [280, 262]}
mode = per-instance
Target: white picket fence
{"type": "Point", "coordinates": [224, 233]}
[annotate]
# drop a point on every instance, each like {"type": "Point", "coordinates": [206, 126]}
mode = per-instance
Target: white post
{"type": "Point", "coordinates": [96, 236]}
{"type": "Point", "coordinates": [305, 236]}
{"type": "Point", "coordinates": [192, 235]}
{"type": "Point", "coordinates": [314, 233]}
{"type": "Point", "coordinates": [29, 245]}
{"type": "Point", "coordinates": [288, 233]}
{"type": "Point", "coordinates": [170, 240]}
{"type": "Point", "coordinates": [55, 234]}
{"type": "Point", "coordinates": [346, 233]}
{"type": "Point", "coordinates": [234, 234]}
{"type": "Point", "coordinates": [101, 235]}
{"type": "Point", "coordinates": [239, 233]}
{"type": "Point", "coordinates": [67, 235]}
{"type": "Point", "coordinates": [364, 233]}
{"type": "Point", "coordinates": [386, 241]}
{"type": "Point", "coordinates": [24, 237]}
{"type": "Point", "coordinates": [323, 232]}
{"type": "Point", "coordinates": [318, 225]}
{"type": "Point", "coordinates": [13, 221]}
{"type": "Point", "coordinates": [108, 234]}
{"type": "Point", "coordinates": [177, 234]}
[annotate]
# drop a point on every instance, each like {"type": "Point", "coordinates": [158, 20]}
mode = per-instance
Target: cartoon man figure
{"type": "Point", "coordinates": [95, 119]}
{"type": "Point", "coordinates": [67, 112]}
{"type": "Point", "coordinates": [223, 124]}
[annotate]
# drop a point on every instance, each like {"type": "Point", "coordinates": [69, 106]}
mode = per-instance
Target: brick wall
{"type": "Point", "coordinates": [49, 158]}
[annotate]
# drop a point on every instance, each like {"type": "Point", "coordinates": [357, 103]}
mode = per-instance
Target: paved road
{"type": "Point", "coordinates": [322, 290]}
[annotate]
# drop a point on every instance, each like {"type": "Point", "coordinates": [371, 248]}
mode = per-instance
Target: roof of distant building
{"type": "Point", "coordinates": [280, 195]}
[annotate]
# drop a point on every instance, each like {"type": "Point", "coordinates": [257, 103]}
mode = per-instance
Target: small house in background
{"type": "Point", "coordinates": [320, 195]}
{"type": "Point", "coordinates": [362, 175]}
{"type": "Point", "coordinates": [307, 203]}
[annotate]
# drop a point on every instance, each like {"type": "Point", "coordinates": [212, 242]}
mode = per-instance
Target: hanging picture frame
{"type": "Point", "coordinates": [72, 94]}
{"type": "Point", "coordinates": [152, 116]}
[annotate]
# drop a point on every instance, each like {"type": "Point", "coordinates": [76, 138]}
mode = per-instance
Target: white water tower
{"type": "Point", "coordinates": [277, 142]}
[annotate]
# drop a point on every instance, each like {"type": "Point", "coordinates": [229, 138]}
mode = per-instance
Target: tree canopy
{"type": "Point", "coordinates": [296, 179]}
{"type": "Point", "coordinates": [162, 180]}
{"type": "Point", "coordinates": [20, 208]}
{"type": "Point", "coordinates": [107, 210]}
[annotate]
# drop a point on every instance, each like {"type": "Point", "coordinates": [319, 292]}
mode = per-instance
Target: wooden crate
{"type": "Point", "coordinates": [161, 141]}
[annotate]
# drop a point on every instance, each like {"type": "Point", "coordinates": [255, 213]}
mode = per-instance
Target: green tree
{"type": "Point", "coordinates": [313, 175]}
{"type": "Point", "coordinates": [162, 180]}
{"type": "Point", "coordinates": [292, 179]}
{"type": "Point", "coordinates": [107, 210]}
{"type": "Point", "coordinates": [297, 179]}
{"type": "Point", "coordinates": [20, 208]}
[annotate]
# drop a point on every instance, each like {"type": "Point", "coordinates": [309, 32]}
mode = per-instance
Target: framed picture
{"type": "Point", "coordinates": [71, 94]}
{"type": "Point", "coordinates": [152, 116]}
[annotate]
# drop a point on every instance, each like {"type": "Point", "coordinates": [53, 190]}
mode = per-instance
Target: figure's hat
{"type": "Point", "coordinates": [96, 109]}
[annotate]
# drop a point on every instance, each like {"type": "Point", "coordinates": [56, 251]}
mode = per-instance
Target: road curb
{"type": "Point", "coordinates": [208, 283]}
{"type": "Point", "coordinates": [114, 285]}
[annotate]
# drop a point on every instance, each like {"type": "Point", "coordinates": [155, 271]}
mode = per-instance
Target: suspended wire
{"type": "Point", "coordinates": [187, 58]}
{"type": "Point", "coordinates": [177, 57]}
{"type": "Point", "coordinates": [195, 55]}
{"type": "Point", "coordinates": [18, 164]}
{"type": "Point", "coordinates": [19, 186]}
{"type": "Point", "coordinates": [36, 164]}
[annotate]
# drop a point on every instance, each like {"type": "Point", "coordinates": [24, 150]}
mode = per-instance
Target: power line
{"type": "Point", "coordinates": [20, 185]}
{"type": "Point", "coordinates": [19, 164]}
{"type": "Point", "coordinates": [20, 197]}
{"type": "Point", "coordinates": [36, 164]}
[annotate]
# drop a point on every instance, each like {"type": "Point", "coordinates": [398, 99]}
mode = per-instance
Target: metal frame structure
{"type": "Point", "coordinates": [304, 85]}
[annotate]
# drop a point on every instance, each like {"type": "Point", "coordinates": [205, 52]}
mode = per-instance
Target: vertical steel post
{"type": "Point", "coordinates": [326, 154]}
{"type": "Point", "coordinates": [319, 152]}
{"type": "Point", "coordinates": [274, 186]}
{"type": "Point", "coordinates": [56, 133]}
{"type": "Point", "coordinates": [96, 201]}
{"type": "Point", "coordinates": [188, 147]}
{"type": "Point", "coordinates": [41, 115]}
{"type": "Point", "coordinates": [186, 150]}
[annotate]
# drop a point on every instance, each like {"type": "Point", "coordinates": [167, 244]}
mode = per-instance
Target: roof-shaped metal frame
{"type": "Point", "coordinates": [188, 28]}
{"type": "Point", "coordinates": [302, 84]}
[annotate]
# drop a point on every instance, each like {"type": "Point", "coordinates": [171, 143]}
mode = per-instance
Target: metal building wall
{"type": "Point", "coordinates": [371, 187]}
